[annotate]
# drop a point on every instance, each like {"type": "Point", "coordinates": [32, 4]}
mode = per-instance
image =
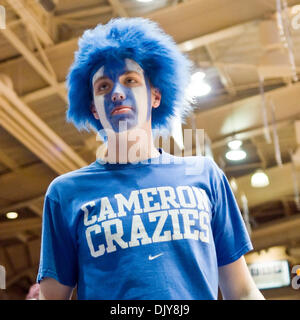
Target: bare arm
{"type": "Point", "coordinates": [236, 283]}
{"type": "Point", "coordinates": [51, 289]}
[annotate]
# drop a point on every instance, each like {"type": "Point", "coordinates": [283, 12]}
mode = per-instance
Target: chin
{"type": "Point", "coordinates": [124, 121]}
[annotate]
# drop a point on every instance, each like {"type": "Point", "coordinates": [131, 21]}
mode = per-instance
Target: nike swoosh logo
{"type": "Point", "coordinates": [154, 257]}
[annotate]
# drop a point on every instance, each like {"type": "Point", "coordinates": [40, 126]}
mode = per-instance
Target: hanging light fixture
{"type": "Point", "coordinates": [234, 144]}
{"type": "Point", "coordinates": [198, 87]}
{"type": "Point", "coordinates": [259, 179]}
{"type": "Point", "coordinates": [12, 215]}
{"type": "Point", "coordinates": [236, 153]}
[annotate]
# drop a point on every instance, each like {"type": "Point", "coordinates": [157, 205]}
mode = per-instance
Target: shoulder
{"type": "Point", "coordinates": [203, 165]}
{"type": "Point", "coordinates": [212, 167]}
{"type": "Point", "coordinates": [67, 182]}
{"type": "Point", "coordinates": [197, 160]}
{"type": "Point", "coordinates": [207, 170]}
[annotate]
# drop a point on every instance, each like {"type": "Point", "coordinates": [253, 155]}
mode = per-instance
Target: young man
{"type": "Point", "coordinates": [143, 224]}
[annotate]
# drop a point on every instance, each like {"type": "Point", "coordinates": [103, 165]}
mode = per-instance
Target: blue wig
{"type": "Point", "coordinates": [143, 41]}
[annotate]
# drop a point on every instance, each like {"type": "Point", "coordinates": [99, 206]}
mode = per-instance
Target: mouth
{"type": "Point", "coordinates": [120, 109]}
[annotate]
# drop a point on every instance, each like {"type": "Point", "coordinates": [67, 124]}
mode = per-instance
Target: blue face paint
{"type": "Point", "coordinates": [122, 93]}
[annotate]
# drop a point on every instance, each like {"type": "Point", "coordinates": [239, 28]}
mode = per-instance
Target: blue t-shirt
{"type": "Point", "coordinates": [156, 229]}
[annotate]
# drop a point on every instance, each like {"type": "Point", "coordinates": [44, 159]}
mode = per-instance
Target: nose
{"type": "Point", "coordinates": [117, 96]}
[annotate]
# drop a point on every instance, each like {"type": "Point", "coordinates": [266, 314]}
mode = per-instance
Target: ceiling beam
{"type": "Point", "coordinates": [286, 207]}
{"type": "Point", "coordinates": [7, 259]}
{"type": "Point", "coordinates": [296, 155]}
{"type": "Point", "coordinates": [259, 150]}
{"type": "Point", "coordinates": [31, 21]}
{"type": "Point", "coordinates": [23, 237]}
{"type": "Point", "coordinates": [279, 232]}
{"type": "Point", "coordinates": [22, 204]}
{"type": "Point", "coordinates": [245, 166]}
{"type": "Point", "coordinates": [12, 228]}
{"type": "Point", "coordinates": [37, 44]}
{"type": "Point", "coordinates": [244, 116]}
{"type": "Point", "coordinates": [36, 209]}
{"type": "Point", "coordinates": [275, 190]}
{"type": "Point", "coordinates": [42, 93]}
{"type": "Point", "coordinates": [249, 133]}
{"type": "Point", "coordinates": [28, 128]}
{"type": "Point", "coordinates": [196, 18]}
{"type": "Point", "coordinates": [33, 61]}
{"type": "Point", "coordinates": [8, 161]}
{"type": "Point", "coordinates": [84, 13]}
{"type": "Point", "coordinates": [36, 143]}
{"type": "Point", "coordinates": [11, 198]}
{"type": "Point", "coordinates": [118, 8]}
{"type": "Point", "coordinates": [20, 274]}
{"type": "Point", "coordinates": [224, 76]}
{"type": "Point", "coordinates": [226, 33]}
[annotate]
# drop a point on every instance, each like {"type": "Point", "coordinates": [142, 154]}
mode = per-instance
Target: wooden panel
{"type": "Point", "coordinates": [4, 262]}
{"type": "Point", "coordinates": [281, 232]}
{"type": "Point", "coordinates": [18, 256]}
{"type": "Point", "coordinates": [281, 185]}
{"type": "Point", "coordinates": [198, 17]}
{"type": "Point", "coordinates": [15, 150]}
{"type": "Point", "coordinates": [34, 249]}
{"type": "Point", "coordinates": [12, 228]}
{"type": "Point", "coordinates": [53, 112]}
{"type": "Point", "coordinates": [246, 113]}
{"type": "Point", "coordinates": [23, 76]}
{"type": "Point", "coordinates": [48, 107]}
{"type": "Point", "coordinates": [27, 183]}
{"type": "Point", "coordinates": [25, 80]}
{"type": "Point", "coordinates": [72, 5]}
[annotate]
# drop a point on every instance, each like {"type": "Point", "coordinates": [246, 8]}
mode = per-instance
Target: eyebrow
{"type": "Point", "coordinates": [123, 74]}
{"type": "Point", "coordinates": [127, 72]}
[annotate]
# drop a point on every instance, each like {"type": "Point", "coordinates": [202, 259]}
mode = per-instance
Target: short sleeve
{"type": "Point", "coordinates": [58, 257]}
{"type": "Point", "coordinates": [229, 231]}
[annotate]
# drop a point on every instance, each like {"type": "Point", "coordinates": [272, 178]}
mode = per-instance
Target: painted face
{"type": "Point", "coordinates": [122, 93]}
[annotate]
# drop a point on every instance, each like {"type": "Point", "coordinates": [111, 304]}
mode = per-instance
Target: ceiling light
{"type": "Point", "coordinates": [234, 144]}
{"type": "Point", "coordinates": [187, 46]}
{"type": "Point", "coordinates": [198, 90]}
{"type": "Point", "coordinates": [198, 76]}
{"type": "Point", "coordinates": [11, 215]}
{"type": "Point", "coordinates": [259, 179]}
{"type": "Point", "coordinates": [197, 86]}
{"type": "Point", "coordinates": [236, 155]}
{"type": "Point", "coordinates": [145, 1]}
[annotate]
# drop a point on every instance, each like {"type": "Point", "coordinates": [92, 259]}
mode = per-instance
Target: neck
{"type": "Point", "coordinates": [131, 146]}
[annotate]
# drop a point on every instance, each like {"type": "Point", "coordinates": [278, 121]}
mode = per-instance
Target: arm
{"type": "Point", "coordinates": [236, 282]}
{"type": "Point", "coordinates": [57, 273]}
{"type": "Point", "coordinates": [51, 289]}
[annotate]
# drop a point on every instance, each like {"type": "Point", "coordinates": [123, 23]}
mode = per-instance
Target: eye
{"type": "Point", "coordinates": [131, 81]}
{"type": "Point", "coordinates": [103, 87]}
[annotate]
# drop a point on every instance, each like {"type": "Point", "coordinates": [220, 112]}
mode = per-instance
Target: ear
{"type": "Point", "coordinates": [155, 97]}
{"type": "Point", "coordinates": [94, 111]}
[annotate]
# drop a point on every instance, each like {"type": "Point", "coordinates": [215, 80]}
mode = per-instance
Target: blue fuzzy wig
{"type": "Point", "coordinates": [143, 41]}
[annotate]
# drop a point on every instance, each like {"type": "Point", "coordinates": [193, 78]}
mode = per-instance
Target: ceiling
{"type": "Point", "coordinates": [244, 62]}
